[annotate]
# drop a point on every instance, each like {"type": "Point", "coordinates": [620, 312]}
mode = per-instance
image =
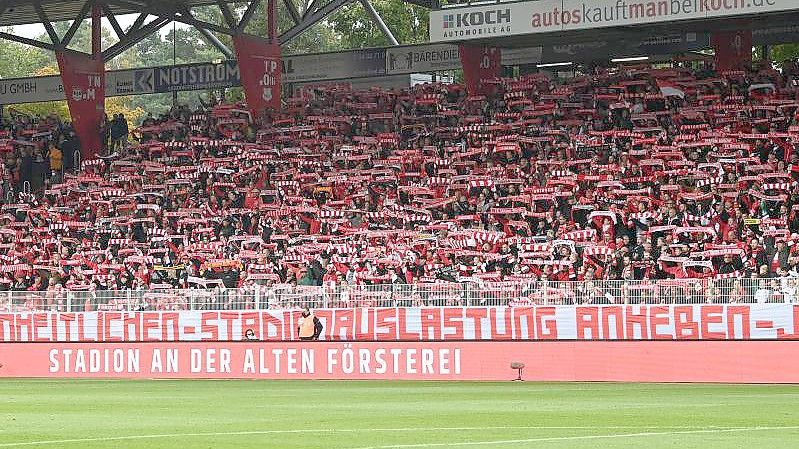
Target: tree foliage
{"type": "Point", "coordinates": [785, 52]}
{"type": "Point", "coordinates": [17, 60]}
{"type": "Point", "coordinates": [407, 22]}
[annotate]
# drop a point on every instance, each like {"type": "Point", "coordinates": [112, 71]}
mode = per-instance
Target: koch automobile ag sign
{"type": "Point", "coordinates": [544, 16]}
{"type": "Point", "coordinates": [492, 22]}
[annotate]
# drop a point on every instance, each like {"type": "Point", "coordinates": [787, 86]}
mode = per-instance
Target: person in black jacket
{"type": "Point", "coordinates": [26, 170]}
{"type": "Point", "coordinates": [70, 145]}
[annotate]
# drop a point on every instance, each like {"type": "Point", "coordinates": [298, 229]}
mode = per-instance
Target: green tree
{"type": "Point", "coordinates": [320, 37]}
{"type": "Point", "coordinates": [18, 60]}
{"type": "Point", "coordinates": [784, 52]}
{"type": "Point", "coordinates": [408, 22]}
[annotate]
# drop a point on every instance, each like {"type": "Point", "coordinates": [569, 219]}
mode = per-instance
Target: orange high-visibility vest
{"type": "Point", "coordinates": [306, 326]}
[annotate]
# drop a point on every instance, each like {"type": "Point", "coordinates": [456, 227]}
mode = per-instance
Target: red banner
{"type": "Point", "coordinates": [733, 50]}
{"type": "Point", "coordinates": [479, 64]}
{"type": "Point", "coordinates": [645, 361]}
{"type": "Point", "coordinates": [259, 67]}
{"type": "Point", "coordinates": [617, 322]}
{"type": "Point", "coordinates": [83, 78]}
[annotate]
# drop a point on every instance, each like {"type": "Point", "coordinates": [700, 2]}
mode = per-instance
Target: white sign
{"type": "Point", "coordinates": [545, 16]}
{"type": "Point", "coordinates": [520, 56]}
{"type": "Point", "coordinates": [49, 88]}
{"type": "Point", "coordinates": [31, 90]}
{"type": "Point", "coordinates": [330, 66]}
{"type": "Point", "coordinates": [422, 58]}
{"type": "Point", "coordinates": [128, 82]}
{"type": "Point", "coordinates": [438, 57]}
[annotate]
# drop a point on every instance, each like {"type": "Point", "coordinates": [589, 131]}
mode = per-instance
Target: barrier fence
{"type": "Point", "coordinates": [287, 296]}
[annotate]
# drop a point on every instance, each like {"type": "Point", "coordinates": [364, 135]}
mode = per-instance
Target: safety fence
{"type": "Point", "coordinates": [282, 296]}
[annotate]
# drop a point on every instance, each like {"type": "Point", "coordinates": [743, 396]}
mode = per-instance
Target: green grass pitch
{"type": "Point", "coordinates": [387, 415]}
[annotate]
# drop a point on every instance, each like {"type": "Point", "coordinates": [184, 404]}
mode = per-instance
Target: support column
{"type": "Point", "coordinates": [479, 64]}
{"type": "Point", "coordinates": [271, 21]}
{"type": "Point", "coordinates": [733, 50]}
{"type": "Point", "coordinates": [97, 43]}
{"type": "Point", "coordinates": [260, 70]}
{"type": "Point", "coordinates": [260, 65]}
{"type": "Point", "coordinates": [83, 78]}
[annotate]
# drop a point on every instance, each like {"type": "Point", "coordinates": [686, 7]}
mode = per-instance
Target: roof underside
{"type": "Point", "coordinates": [22, 12]}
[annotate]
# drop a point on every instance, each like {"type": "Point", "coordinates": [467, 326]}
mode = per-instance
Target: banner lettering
{"type": "Point", "coordinates": [613, 322]}
{"type": "Point", "coordinates": [622, 361]}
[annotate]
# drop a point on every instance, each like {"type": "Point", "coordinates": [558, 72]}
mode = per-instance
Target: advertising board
{"type": "Point", "coordinates": [641, 361]}
{"type": "Point", "coordinates": [545, 16]}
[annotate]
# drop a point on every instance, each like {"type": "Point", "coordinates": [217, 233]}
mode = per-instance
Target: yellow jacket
{"type": "Point", "coordinates": [56, 158]}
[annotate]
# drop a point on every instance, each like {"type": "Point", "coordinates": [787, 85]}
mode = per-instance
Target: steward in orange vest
{"type": "Point", "coordinates": [309, 327]}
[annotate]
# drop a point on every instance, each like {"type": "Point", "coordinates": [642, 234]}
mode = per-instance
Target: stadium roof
{"type": "Point", "coordinates": [22, 12]}
{"type": "Point", "coordinates": [160, 12]}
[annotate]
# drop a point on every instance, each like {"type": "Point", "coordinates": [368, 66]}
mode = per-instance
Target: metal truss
{"type": "Point", "coordinates": [155, 14]}
{"type": "Point", "coordinates": [317, 12]}
{"type": "Point", "coordinates": [367, 5]}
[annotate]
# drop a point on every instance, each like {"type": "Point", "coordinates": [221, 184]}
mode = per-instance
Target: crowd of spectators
{"type": "Point", "coordinates": [626, 174]}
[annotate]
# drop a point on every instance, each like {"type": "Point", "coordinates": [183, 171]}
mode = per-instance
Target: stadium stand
{"type": "Point", "coordinates": [631, 174]}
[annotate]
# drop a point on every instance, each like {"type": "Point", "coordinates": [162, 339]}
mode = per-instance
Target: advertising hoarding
{"type": "Point", "coordinates": [640, 361]}
{"type": "Point", "coordinates": [545, 16]}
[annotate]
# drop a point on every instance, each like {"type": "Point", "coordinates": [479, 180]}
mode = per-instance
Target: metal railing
{"type": "Point", "coordinates": [281, 296]}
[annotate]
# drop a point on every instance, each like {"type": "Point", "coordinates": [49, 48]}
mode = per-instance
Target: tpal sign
{"type": "Point", "coordinates": [545, 16]}
{"type": "Point", "coordinates": [270, 79]}
{"type": "Point", "coordinates": [259, 67]}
